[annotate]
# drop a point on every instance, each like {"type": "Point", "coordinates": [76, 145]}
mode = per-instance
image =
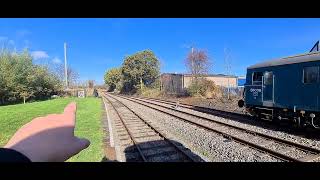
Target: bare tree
{"type": "Point", "coordinates": [198, 62]}
{"type": "Point", "coordinates": [73, 75]}
{"type": "Point", "coordinates": [91, 84]}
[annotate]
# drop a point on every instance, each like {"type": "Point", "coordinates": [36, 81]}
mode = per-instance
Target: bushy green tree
{"type": "Point", "coordinates": [112, 78]}
{"type": "Point", "coordinates": [139, 69]}
{"type": "Point", "coordinates": [21, 80]}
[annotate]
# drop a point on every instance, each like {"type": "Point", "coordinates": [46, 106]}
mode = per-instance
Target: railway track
{"type": "Point", "coordinates": [240, 117]}
{"type": "Point", "coordinates": [215, 112]}
{"type": "Point", "coordinates": [279, 148]}
{"type": "Point", "coordinates": [143, 142]}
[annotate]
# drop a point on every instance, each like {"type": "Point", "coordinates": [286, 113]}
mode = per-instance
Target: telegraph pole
{"type": "Point", "coordinates": [227, 69]}
{"type": "Point", "coordinates": [193, 74]}
{"type": "Point", "coordinates": [192, 60]}
{"type": "Point", "coordinates": [65, 65]}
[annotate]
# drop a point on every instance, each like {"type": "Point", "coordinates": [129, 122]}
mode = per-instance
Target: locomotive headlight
{"type": "Point", "coordinates": [312, 115]}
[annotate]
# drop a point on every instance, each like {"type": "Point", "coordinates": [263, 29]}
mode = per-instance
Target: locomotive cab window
{"type": "Point", "coordinates": [268, 78]}
{"type": "Point", "coordinates": [310, 74]}
{"type": "Point", "coordinates": [257, 78]}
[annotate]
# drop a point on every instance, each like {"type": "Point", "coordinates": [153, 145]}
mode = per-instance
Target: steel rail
{"type": "Point", "coordinates": [156, 131]}
{"type": "Point", "coordinates": [129, 132]}
{"type": "Point", "coordinates": [256, 146]}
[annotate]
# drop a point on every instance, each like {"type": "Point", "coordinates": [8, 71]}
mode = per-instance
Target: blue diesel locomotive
{"type": "Point", "coordinates": [285, 89]}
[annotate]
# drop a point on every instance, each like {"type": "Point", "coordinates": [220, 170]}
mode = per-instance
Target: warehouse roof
{"type": "Point", "coordinates": [307, 57]}
{"type": "Point", "coordinates": [213, 75]}
{"type": "Point", "coordinates": [207, 75]}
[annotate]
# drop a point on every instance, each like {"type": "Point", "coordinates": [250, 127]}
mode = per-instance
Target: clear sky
{"type": "Point", "coordinates": [95, 45]}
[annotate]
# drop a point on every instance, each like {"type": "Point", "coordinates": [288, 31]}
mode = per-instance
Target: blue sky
{"type": "Point", "coordinates": [95, 45]}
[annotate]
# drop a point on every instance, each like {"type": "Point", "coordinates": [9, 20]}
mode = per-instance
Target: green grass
{"type": "Point", "coordinates": [88, 122]}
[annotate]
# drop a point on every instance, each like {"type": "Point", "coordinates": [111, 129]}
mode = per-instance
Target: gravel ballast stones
{"type": "Point", "coordinates": [208, 145]}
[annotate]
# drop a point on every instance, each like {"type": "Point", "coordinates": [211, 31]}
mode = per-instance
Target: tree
{"type": "Point", "coordinates": [21, 80]}
{"type": "Point", "coordinates": [26, 93]}
{"type": "Point", "coordinates": [139, 69]}
{"type": "Point", "coordinates": [15, 70]}
{"type": "Point", "coordinates": [91, 84]}
{"type": "Point", "coordinates": [45, 82]}
{"type": "Point", "coordinates": [73, 75]}
{"type": "Point", "coordinates": [112, 77]}
{"type": "Point", "coordinates": [198, 62]}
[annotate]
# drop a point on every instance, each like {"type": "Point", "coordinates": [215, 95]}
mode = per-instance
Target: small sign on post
{"type": "Point", "coordinates": [81, 94]}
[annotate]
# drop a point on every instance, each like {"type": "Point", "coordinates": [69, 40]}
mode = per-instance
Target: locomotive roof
{"type": "Point", "coordinates": [308, 57]}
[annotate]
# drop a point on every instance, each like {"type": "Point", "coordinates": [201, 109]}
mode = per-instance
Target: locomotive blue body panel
{"type": "Point", "coordinates": [291, 83]}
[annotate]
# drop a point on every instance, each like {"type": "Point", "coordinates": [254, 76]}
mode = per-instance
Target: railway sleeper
{"type": "Point", "coordinates": [136, 125]}
{"type": "Point", "coordinates": [172, 157]}
{"type": "Point", "coordinates": [145, 131]}
{"type": "Point", "coordinates": [138, 136]}
{"type": "Point", "coordinates": [148, 139]}
{"type": "Point", "coordinates": [152, 147]}
{"type": "Point", "coordinates": [125, 134]}
{"type": "Point", "coordinates": [132, 118]}
{"type": "Point", "coordinates": [133, 157]}
{"type": "Point", "coordinates": [163, 152]}
{"type": "Point", "coordinates": [127, 144]}
{"type": "Point", "coordinates": [125, 138]}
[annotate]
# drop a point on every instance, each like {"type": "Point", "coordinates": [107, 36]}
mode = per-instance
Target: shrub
{"type": "Point", "coordinates": [150, 92]}
{"type": "Point", "coordinates": [203, 87]}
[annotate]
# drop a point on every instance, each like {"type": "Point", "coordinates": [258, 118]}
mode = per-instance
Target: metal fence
{"type": "Point", "coordinates": [235, 91]}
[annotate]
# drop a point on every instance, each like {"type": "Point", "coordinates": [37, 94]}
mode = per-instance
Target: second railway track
{"type": "Point", "coordinates": [279, 148]}
{"type": "Point", "coordinates": [143, 142]}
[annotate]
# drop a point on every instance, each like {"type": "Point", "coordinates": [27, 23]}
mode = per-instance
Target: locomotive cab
{"type": "Point", "coordinates": [285, 89]}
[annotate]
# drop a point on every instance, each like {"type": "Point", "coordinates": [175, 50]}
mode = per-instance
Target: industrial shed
{"type": "Point", "coordinates": [172, 83]}
{"type": "Point", "coordinates": [219, 79]}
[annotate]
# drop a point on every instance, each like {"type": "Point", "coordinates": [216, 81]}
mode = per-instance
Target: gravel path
{"type": "Point", "coordinates": [208, 145]}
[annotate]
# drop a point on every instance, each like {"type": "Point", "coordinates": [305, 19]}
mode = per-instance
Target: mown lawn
{"type": "Point", "coordinates": [88, 122]}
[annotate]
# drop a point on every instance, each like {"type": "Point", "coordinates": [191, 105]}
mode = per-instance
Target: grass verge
{"type": "Point", "coordinates": [88, 122]}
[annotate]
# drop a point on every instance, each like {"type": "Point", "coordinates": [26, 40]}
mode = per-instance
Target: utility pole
{"type": "Point", "coordinates": [227, 69]}
{"type": "Point", "coordinates": [65, 65]}
{"type": "Point", "coordinates": [192, 61]}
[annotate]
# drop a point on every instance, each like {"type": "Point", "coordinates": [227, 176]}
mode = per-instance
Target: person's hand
{"type": "Point", "coordinates": [49, 138]}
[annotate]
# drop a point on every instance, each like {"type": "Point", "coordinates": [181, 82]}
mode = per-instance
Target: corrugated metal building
{"type": "Point", "coordinates": [172, 83]}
